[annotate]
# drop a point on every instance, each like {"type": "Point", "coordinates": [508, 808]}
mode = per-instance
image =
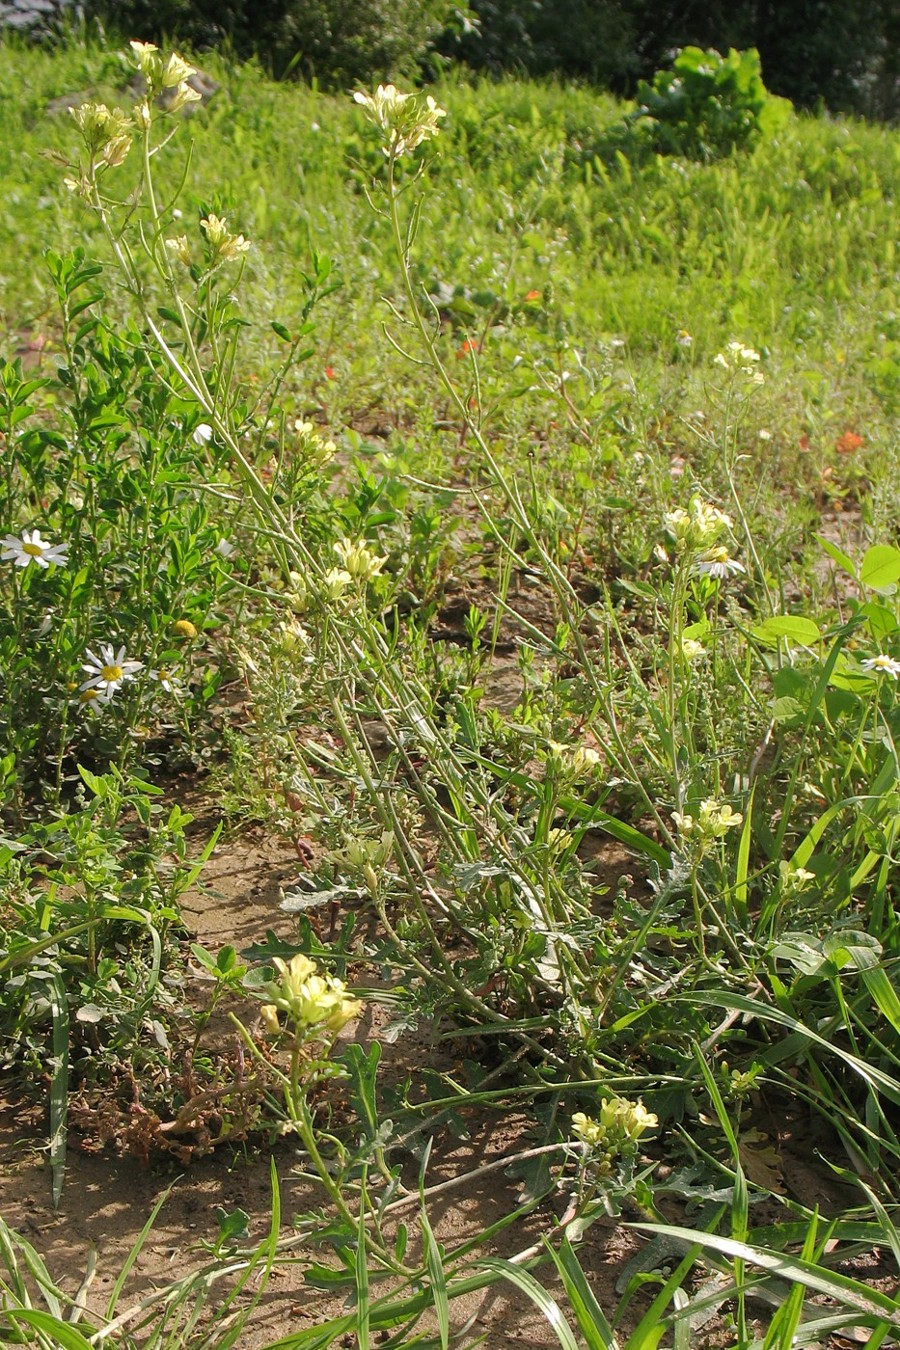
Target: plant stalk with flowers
{"type": "Point", "coordinates": [466, 853]}
{"type": "Point", "coordinates": [542, 889]}
{"type": "Point", "coordinates": [701, 559]}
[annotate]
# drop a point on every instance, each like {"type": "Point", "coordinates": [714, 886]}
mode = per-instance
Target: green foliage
{"type": "Point", "coordinates": [88, 911]}
{"type": "Point", "coordinates": [812, 53]}
{"type": "Point", "coordinates": [586, 753]}
{"type": "Point", "coordinates": [708, 105]}
{"type": "Point", "coordinates": [338, 43]}
{"type": "Point", "coordinates": [140, 571]}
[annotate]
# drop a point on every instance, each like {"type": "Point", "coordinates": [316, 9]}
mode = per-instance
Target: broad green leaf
{"type": "Point", "coordinates": [880, 620]}
{"type": "Point", "coordinates": [880, 566]}
{"type": "Point", "coordinates": [836, 555]}
{"type": "Point", "coordinates": [792, 627]}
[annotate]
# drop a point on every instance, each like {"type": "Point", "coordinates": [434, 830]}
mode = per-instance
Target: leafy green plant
{"type": "Point", "coordinates": [89, 911]}
{"type": "Point", "coordinates": [707, 105]}
{"type": "Point", "coordinates": [100, 623]}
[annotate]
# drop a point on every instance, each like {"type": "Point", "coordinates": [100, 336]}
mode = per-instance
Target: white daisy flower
{"type": "Point", "coordinates": [203, 434]}
{"type": "Point", "coordinates": [718, 563]}
{"type": "Point", "coordinates": [108, 671]}
{"type": "Point", "coordinates": [167, 680]}
{"type": "Point", "coordinates": [31, 548]}
{"type": "Point", "coordinates": [224, 548]}
{"type": "Point", "coordinates": [882, 665]}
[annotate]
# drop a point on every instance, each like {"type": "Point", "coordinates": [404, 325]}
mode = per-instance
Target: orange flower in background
{"type": "Point", "coordinates": [329, 372]}
{"type": "Point", "coordinates": [533, 295]}
{"type": "Point", "coordinates": [467, 347]}
{"type": "Point", "coordinates": [846, 444]}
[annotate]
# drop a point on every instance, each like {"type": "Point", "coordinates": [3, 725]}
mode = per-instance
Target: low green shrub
{"type": "Point", "coordinates": [708, 105]}
{"type": "Point", "coordinates": [337, 42]}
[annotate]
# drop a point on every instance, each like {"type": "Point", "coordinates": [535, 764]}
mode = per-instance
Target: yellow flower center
{"type": "Point", "coordinates": [111, 673]}
{"type": "Point", "coordinates": [33, 550]}
{"type": "Point", "coordinates": [88, 696]}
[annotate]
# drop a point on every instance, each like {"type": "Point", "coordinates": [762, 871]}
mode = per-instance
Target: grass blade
{"type": "Point", "coordinates": [592, 1323]}
{"type": "Point", "coordinates": [435, 1266]}
{"type": "Point", "coordinates": [544, 1302]}
{"type": "Point", "coordinates": [62, 1336]}
{"type": "Point", "coordinates": [361, 1272]}
{"type": "Point", "coordinates": [134, 1254]}
{"type": "Point", "coordinates": [851, 1293]}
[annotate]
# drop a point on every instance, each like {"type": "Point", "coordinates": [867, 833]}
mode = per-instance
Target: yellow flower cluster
{"type": "Point", "coordinates": [223, 246]}
{"type": "Point", "coordinates": [357, 854]}
{"type": "Point", "coordinates": [358, 560]}
{"type": "Point", "coordinates": [404, 120]}
{"type": "Point", "coordinates": [575, 761]}
{"type": "Point", "coordinates": [740, 360]}
{"type": "Point", "coordinates": [160, 75]}
{"type": "Point", "coordinates": [697, 528]}
{"type": "Point", "coordinates": [365, 858]}
{"type": "Point", "coordinates": [713, 821]}
{"type": "Point", "coordinates": [314, 448]}
{"type": "Point", "coordinates": [106, 132]}
{"type": "Point", "coordinates": [310, 1001]}
{"type": "Point", "coordinates": [615, 1133]}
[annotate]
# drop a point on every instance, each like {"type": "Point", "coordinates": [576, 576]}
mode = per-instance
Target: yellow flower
{"type": "Point", "coordinates": [223, 245]}
{"type": "Point", "coordinates": [405, 120]}
{"type": "Point", "coordinates": [588, 1130]}
{"type": "Point", "coordinates": [180, 249]}
{"type": "Point", "coordinates": [148, 59]}
{"type": "Point", "coordinates": [184, 628]}
{"type": "Point", "coordinates": [717, 818]}
{"type": "Point", "coordinates": [176, 72]}
{"type": "Point", "coordinates": [115, 151]}
{"type": "Point", "coordinates": [358, 560]}
{"type": "Point", "coordinates": [185, 94]}
{"type": "Point", "coordinates": [335, 583]}
{"type": "Point", "coordinates": [691, 649]}
{"type": "Point", "coordinates": [309, 999]}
